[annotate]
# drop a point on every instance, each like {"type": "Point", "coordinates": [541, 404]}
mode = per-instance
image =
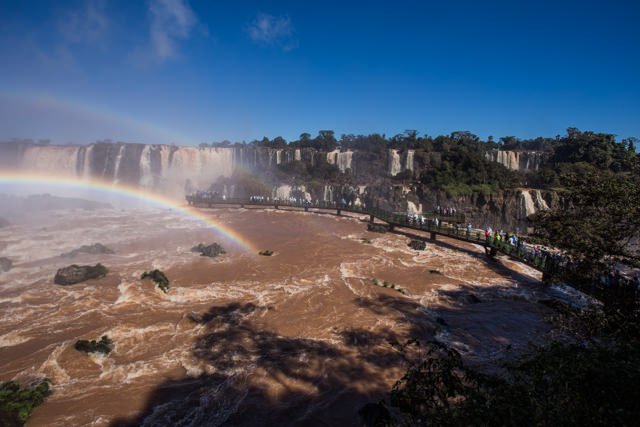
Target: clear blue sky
{"type": "Point", "coordinates": [184, 72]}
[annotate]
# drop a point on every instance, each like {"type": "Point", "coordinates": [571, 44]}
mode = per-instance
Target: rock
{"type": "Point", "coordinates": [79, 273]}
{"type": "Point", "coordinates": [377, 228]}
{"type": "Point", "coordinates": [470, 299]}
{"type": "Point", "coordinates": [97, 248]}
{"type": "Point", "coordinates": [418, 245]}
{"type": "Point", "coordinates": [212, 251]}
{"type": "Point", "coordinates": [265, 253]}
{"type": "Point", "coordinates": [5, 264]}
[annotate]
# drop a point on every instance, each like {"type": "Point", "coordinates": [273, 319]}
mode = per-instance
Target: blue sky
{"type": "Point", "coordinates": [184, 72]}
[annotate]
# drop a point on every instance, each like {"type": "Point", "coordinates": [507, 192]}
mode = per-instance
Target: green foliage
{"type": "Point", "coordinates": [365, 240]}
{"type": "Point", "coordinates": [93, 346]}
{"type": "Point", "coordinates": [265, 253]}
{"type": "Point", "coordinates": [158, 277]}
{"type": "Point", "coordinates": [461, 172]}
{"type": "Point", "coordinates": [600, 221]}
{"type": "Point", "coordinates": [17, 403]}
{"type": "Point", "coordinates": [377, 228]}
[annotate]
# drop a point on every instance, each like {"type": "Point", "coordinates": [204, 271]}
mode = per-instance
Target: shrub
{"type": "Point", "coordinates": [102, 346]}
{"type": "Point", "coordinates": [265, 253]}
{"type": "Point", "coordinates": [17, 403]}
{"type": "Point", "coordinates": [158, 277]}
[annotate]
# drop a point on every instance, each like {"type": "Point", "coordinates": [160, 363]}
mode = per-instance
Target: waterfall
{"type": "Point", "coordinates": [51, 160]}
{"type": "Point", "coordinates": [528, 205]}
{"type": "Point", "coordinates": [540, 202]}
{"type": "Point", "coordinates": [328, 193]}
{"type": "Point", "coordinates": [298, 157]}
{"type": "Point", "coordinates": [117, 164]}
{"type": "Point", "coordinates": [394, 163]}
{"type": "Point", "coordinates": [342, 160]}
{"type": "Point", "coordinates": [409, 162]}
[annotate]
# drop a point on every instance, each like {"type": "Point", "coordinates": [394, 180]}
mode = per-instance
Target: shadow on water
{"type": "Point", "coordinates": [259, 378]}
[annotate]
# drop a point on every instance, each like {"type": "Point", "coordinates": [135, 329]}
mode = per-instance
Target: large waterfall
{"type": "Point", "coordinates": [523, 161]}
{"type": "Point", "coordinates": [155, 167]}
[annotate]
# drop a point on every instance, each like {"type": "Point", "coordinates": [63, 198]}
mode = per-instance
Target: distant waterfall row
{"type": "Point", "coordinates": [169, 169]}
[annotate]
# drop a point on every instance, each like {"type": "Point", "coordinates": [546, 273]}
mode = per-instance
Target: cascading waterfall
{"type": "Point", "coordinates": [394, 163]}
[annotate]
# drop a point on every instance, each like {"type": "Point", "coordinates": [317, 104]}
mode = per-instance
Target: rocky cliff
{"type": "Point", "coordinates": [384, 179]}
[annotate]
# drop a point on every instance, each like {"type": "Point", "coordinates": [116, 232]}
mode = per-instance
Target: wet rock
{"type": "Point", "coordinates": [79, 273]}
{"type": "Point", "coordinates": [196, 317]}
{"type": "Point", "coordinates": [212, 251]}
{"type": "Point", "coordinates": [97, 248]}
{"type": "Point", "coordinates": [5, 264]}
{"type": "Point", "coordinates": [418, 245]}
{"type": "Point", "coordinates": [377, 228]}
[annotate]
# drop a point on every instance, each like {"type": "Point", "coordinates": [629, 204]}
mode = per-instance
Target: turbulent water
{"type": "Point", "coordinates": [298, 337]}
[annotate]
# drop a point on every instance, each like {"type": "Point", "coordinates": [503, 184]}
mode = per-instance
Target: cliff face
{"type": "Point", "coordinates": [364, 177]}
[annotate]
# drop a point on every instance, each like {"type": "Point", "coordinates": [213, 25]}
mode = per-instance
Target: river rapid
{"type": "Point", "coordinates": [301, 337]}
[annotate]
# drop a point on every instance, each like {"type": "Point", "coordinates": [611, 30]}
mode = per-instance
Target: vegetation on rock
{"type": "Point", "coordinates": [435, 272]}
{"type": "Point", "coordinates": [265, 253]}
{"type": "Point", "coordinates": [158, 277]}
{"type": "Point", "coordinates": [79, 273]}
{"type": "Point", "coordinates": [418, 245]}
{"type": "Point", "coordinates": [377, 228]}
{"type": "Point", "coordinates": [93, 346]}
{"type": "Point", "coordinates": [211, 251]}
{"type": "Point", "coordinates": [17, 403]}
{"type": "Point", "coordinates": [365, 240]}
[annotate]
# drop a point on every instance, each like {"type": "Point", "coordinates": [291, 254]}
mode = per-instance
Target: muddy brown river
{"type": "Point", "coordinates": [301, 337]}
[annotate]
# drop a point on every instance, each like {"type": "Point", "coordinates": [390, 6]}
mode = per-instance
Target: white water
{"type": "Point", "coordinates": [394, 163]}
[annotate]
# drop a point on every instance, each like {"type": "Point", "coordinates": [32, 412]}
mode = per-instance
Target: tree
{"type": "Point", "coordinates": [601, 218]}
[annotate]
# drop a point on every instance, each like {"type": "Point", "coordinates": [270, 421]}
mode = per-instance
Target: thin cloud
{"type": "Point", "coordinates": [87, 25]}
{"type": "Point", "coordinates": [171, 21]}
{"type": "Point", "coordinates": [270, 30]}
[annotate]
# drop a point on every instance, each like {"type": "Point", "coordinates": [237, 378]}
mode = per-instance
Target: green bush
{"type": "Point", "coordinates": [102, 346]}
{"type": "Point", "coordinates": [158, 277]}
{"type": "Point", "coordinates": [17, 403]}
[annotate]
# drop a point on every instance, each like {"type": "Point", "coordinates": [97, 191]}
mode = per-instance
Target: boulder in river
{"type": "Point", "coordinates": [212, 251]}
{"type": "Point", "coordinates": [5, 264]}
{"type": "Point", "coordinates": [96, 248]}
{"type": "Point", "coordinates": [79, 273]}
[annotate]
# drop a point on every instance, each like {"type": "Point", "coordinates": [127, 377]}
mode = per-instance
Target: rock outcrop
{"type": "Point", "coordinates": [212, 251]}
{"type": "Point", "coordinates": [79, 273]}
{"type": "Point", "coordinates": [5, 264]}
{"type": "Point", "coordinates": [96, 248]}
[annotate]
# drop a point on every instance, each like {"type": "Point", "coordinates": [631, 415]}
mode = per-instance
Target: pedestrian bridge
{"type": "Point", "coordinates": [451, 226]}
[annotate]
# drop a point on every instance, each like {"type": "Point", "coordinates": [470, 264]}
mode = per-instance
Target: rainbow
{"type": "Point", "coordinates": [132, 192]}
